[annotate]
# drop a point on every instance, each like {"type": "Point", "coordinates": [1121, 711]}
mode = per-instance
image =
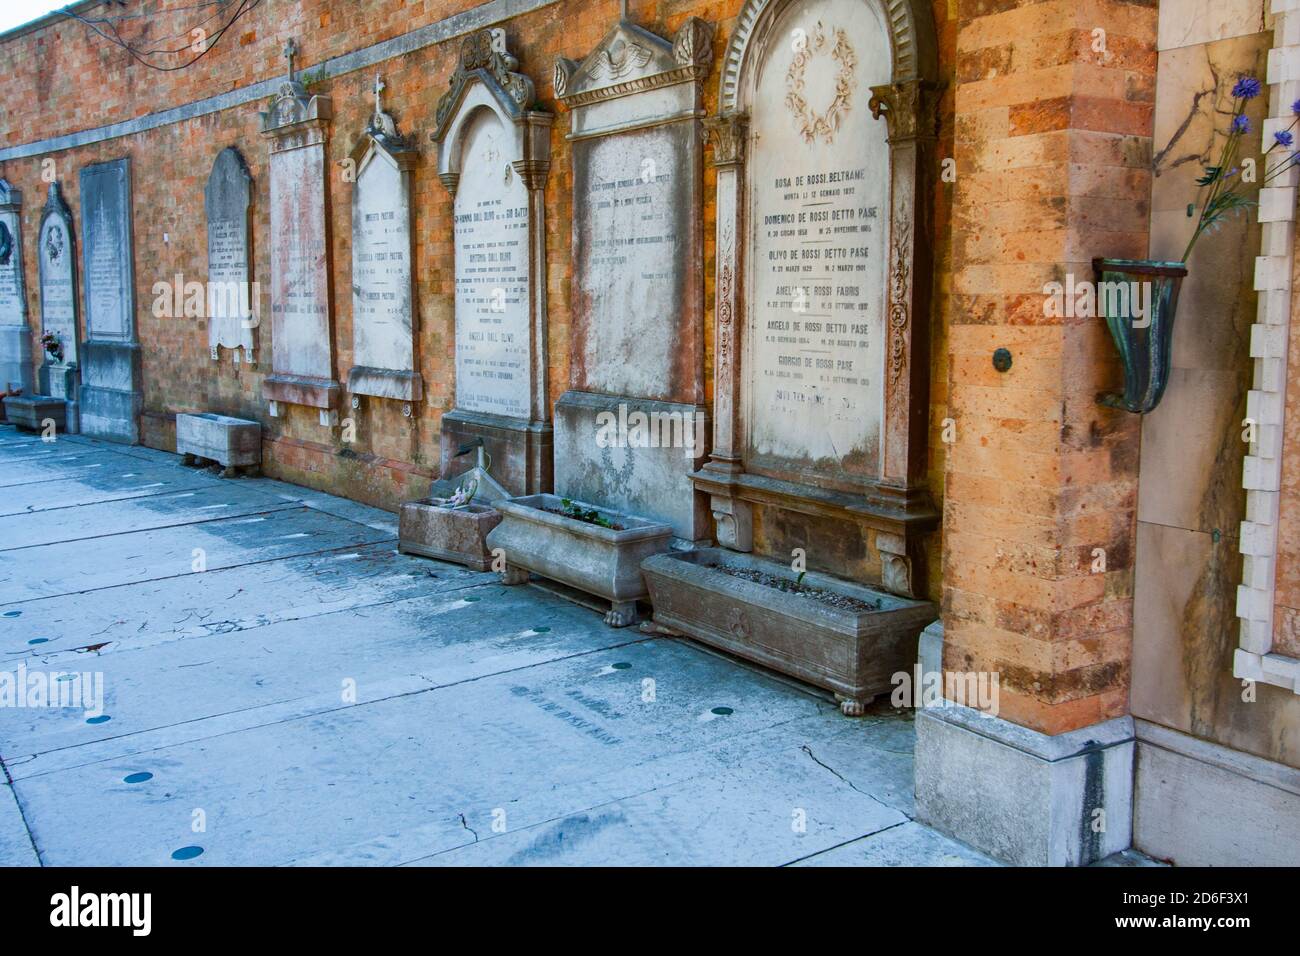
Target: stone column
{"type": "Point", "coordinates": [1053, 151]}
{"type": "Point", "coordinates": [734, 517]}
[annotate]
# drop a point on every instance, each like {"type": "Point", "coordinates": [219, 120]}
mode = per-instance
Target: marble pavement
{"type": "Point", "coordinates": [314, 697]}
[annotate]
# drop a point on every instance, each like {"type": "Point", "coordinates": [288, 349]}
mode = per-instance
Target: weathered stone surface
{"type": "Point", "coordinates": [637, 330]}
{"type": "Point", "coordinates": [15, 335]}
{"type": "Point", "coordinates": [852, 652]}
{"type": "Point", "coordinates": [302, 328]}
{"type": "Point", "coordinates": [494, 157]}
{"type": "Point", "coordinates": [233, 305]}
{"type": "Point", "coordinates": [233, 442]}
{"type": "Point", "coordinates": [32, 411]}
{"type": "Point", "coordinates": [602, 561]}
{"type": "Point", "coordinates": [383, 290]}
{"type": "Point", "coordinates": [1024, 797]}
{"type": "Point", "coordinates": [431, 529]}
{"type": "Point", "coordinates": [110, 355]}
{"type": "Point", "coordinates": [601, 455]}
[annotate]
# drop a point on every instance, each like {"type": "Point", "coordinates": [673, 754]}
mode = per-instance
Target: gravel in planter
{"type": "Point", "coordinates": [831, 598]}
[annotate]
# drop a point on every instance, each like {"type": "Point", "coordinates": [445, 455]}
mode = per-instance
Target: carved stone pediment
{"type": "Point", "coordinates": [631, 59]}
{"type": "Point", "coordinates": [292, 106]}
{"type": "Point", "coordinates": [484, 56]}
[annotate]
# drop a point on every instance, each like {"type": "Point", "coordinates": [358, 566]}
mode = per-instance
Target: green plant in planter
{"type": "Point", "coordinates": [589, 515]}
{"type": "Point", "coordinates": [1139, 297]}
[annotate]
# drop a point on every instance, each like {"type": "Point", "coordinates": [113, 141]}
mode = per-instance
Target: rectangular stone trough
{"type": "Point", "coordinates": [430, 529]}
{"type": "Point", "coordinates": [31, 411]}
{"type": "Point", "coordinates": [232, 442]}
{"type": "Point", "coordinates": [852, 651]}
{"type": "Point", "coordinates": [596, 560]}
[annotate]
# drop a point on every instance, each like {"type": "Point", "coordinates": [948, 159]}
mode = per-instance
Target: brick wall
{"type": "Point", "coordinates": [68, 80]}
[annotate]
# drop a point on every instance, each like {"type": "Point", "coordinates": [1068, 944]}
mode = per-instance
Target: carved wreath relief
{"type": "Point", "coordinates": [812, 124]}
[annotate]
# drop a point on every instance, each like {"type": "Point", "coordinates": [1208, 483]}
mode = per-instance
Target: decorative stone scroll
{"type": "Point", "coordinates": [15, 335]}
{"type": "Point", "coordinates": [110, 355]}
{"type": "Point", "coordinates": [56, 259]}
{"type": "Point", "coordinates": [383, 286]}
{"type": "Point", "coordinates": [302, 335]}
{"type": "Point", "coordinates": [633, 425]}
{"type": "Point", "coordinates": [823, 147]}
{"type": "Point", "coordinates": [494, 159]}
{"type": "Point", "coordinates": [232, 297]}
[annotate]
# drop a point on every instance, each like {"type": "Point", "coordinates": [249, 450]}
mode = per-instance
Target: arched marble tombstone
{"type": "Point", "coordinates": [823, 151]}
{"type": "Point", "coordinates": [383, 288]}
{"type": "Point", "coordinates": [56, 259]}
{"type": "Point", "coordinates": [232, 297]}
{"type": "Point", "coordinates": [494, 158]}
{"type": "Point", "coordinates": [15, 334]}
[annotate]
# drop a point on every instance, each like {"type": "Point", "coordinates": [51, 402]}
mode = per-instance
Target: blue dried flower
{"type": "Point", "coordinates": [1241, 124]}
{"type": "Point", "coordinates": [1246, 88]}
{"type": "Point", "coordinates": [1284, 137]}
{"type": "Point", "coordinates": [1295, 107]}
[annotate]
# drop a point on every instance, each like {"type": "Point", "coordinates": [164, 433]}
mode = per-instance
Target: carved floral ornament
{"type": "Point", "coordinates": [485, 52]}
{"type": "Point", "coordinates": [616, 67]}
{"type": "Point", "coordinates": [812, 124]}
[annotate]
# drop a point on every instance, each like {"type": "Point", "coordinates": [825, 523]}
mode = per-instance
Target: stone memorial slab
{"type": "Point", "coordinates": [232, 295]}
{"type": "Point", "coordinates": [56, 257]}
{"type": "Point", "coordinates": [302, 340]}
{"type": "Point", "coordinates": [110, 354]}
{"type": "Point", "coordinates": [634, 108]}
{"type": "Point", "coordinates": [494, 157]}
{"type": "Point", "coordinates": [15, 334]}
{"type": "Point", "coordinates": [383, 290]}
{"type": "Point", "coordinates": [821, 399]}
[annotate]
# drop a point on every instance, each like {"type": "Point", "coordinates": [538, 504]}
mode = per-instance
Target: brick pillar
{"type": "Point", "coordinates": [1053, 151]}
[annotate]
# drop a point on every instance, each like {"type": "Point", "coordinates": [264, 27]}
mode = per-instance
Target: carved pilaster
{"type": "Point", "coordinates": [911, 109]}
{"type": "Point", "coordinates": [726, 135]}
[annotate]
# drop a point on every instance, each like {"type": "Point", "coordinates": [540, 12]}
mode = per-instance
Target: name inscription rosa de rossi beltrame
{"type": "Point", "coordinates": [635, 110]}
{"type": "Point", "coordinates": [823, 148]}
{"type": "Point", "coordinates": [494, 159]}
{"type": "Point", "coordinates": [302, 329]}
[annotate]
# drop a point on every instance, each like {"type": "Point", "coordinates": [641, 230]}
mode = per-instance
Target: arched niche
{"type": "Point", "coordinates": [494, 159]}
{"type": "Point", "coordinates": [823, 147]}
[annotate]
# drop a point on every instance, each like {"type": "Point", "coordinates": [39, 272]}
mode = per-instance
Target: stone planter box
{"type": "Point", "coordinates": [852, 652]}
{"type": "Point", "coordinates": [460, 535]}
{"type": "Point", "coordinates": [232, 442]}
{"type": "Point", "coordinates": [29, 411]}
{"type": "Point", "coordinates": [596, 560]}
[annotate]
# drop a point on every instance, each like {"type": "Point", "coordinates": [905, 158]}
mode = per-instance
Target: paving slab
{"type": "Point", "coordinates": [314, 697]}
{"type": "Point", "coordinates": [77, 566]}
{"type": "Point", "coordinates": [907, 844]}
{"type": "Point", "coordinates": [122, 478]}
{"type": "Point", "coordinates": [15, 844]}
{"type": "Point", "coordinates": [225, 600]}
{"type": "Point", "coordinates": [118, 517]}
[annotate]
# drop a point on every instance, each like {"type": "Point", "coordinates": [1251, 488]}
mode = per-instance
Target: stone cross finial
{"type": "Point", "coordinates": [290, 48]}
{"type": "Point", "coordinates": [380, 86]}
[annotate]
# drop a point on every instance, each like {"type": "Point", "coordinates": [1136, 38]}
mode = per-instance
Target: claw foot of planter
{"type": "Point", "coordinates": [514, 575]}
{"type": "Point", "coordinates": [662, 630]}
{"type": "Point", "coordinates": [230, 471]}
{"type": "Point", "coordinates": [189, 461]}
{"type": "Point", "coordinates": [853, 706]}
{"type": "Point", "coordinates": [621, 614]}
